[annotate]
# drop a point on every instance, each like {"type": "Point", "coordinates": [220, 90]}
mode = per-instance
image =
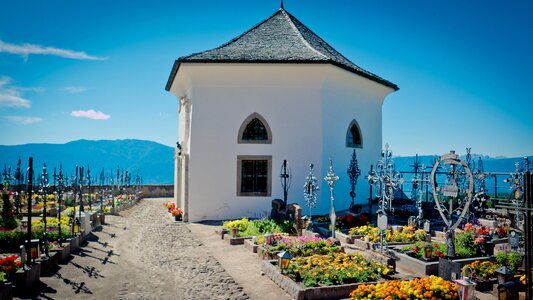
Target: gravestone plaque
{"type": "Point", "coordinates": [427, 226]}
{"type": "Point", "coordinates": [449, 270]}
{"type": "Point", "coordinates": [514, 240]}
{"type": "Point", "coordinates": [382, 221]}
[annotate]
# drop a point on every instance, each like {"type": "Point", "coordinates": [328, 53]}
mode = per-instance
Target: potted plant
{"type": "Point", "coordinates": [177, 213]}
{"type": "Point", "coordinates": [428, 251]}
{"type": "Point", "coordinates": [483, 273]}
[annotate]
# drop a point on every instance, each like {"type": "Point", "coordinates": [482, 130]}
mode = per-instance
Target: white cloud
{"type": "Point", "coordinates": [90, 114]}
{"type": "Point", "coordinates": [7, 100]}
{"type": "Point", "coordinates": [10, 96]}
{"type": "Point", "coordinates": [23, 120]}
{"type": "Point", "coordinates": [73, 89]}
{"type": "Point", "coordinates": [25, 50]}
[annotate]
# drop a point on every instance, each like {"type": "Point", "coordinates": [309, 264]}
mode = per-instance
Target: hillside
{"type": "Point", "coordinates": [154, 161]}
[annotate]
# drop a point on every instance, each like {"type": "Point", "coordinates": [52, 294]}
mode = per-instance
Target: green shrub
{"type": "Point", "coordinates": [511, 259]}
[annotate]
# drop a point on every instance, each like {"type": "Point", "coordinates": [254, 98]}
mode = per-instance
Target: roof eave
{"type": "Point", "coordinates": [172, 75]}
{"type": "Point", "coordinates": [376, 79]}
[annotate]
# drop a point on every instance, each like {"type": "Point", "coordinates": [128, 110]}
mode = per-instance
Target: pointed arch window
{"type": "Point", "coordinates": [354, 139]}
{"type": "Point", "coordinates": [255, 130]}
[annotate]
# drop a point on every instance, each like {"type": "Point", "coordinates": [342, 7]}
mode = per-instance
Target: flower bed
{"type": "Point", "coordinates": [483, 273]}
{"type": "Point", "coordinates": [407, 234]}
{"type": "Point", "coordinates": [303, 245]}
{"type": "Point", "coordinates": [10, 240]}
{"type": "Point", "coordinates": [247, 228]}
{"type": "Point", "coordinates": [298, 291]}
{"type": "Point", "coordinates": [335, 269]}
{"type": "Point", "coordinates": [9, 265]}
{"type": "Point", "coordinates": [419, 288]}
{"type": "Point", "coordinates": [347, 221]}
{"type": "Point", "coordinates": [467, 245]}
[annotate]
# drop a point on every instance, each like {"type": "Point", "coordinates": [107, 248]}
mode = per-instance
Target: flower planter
{"type": "Point", "coordinates": [249, 244]}
{"type": "Point", "coordinates": [49, 263]}
{"type": "Point", "coordinates": [344, 238]}
{"type": "Point", "coordinates": [95, 220]}
{"type": "Point", "coordinates": [263, 253]}
{"type": "Point", "coordinates": [418, 267]}
{"type": "Point", "coordinates": [221, 231]}
{"type": "Point", "coordinates": [323, 231]}
{"type": "Point", "coordinates": [74, 243]}
{"type": "Point", "coordinates": [237, 240]}
{"type": "Point", "coordinates": [6, 291]}
{"type": "Point", "coordinates": [452, 269]}
{"type": "Point", "coordinates": [178, 218]}
{"type": "Point", "coordinates": [63, 252]}
{"type": "Point", "coordinates": [384, 259]}
{"type": "Point", "coordinates": [26, 279]}
{"type": "Point", "coordinates": [298, 291]}
{"type": "Point", "coordinates": [362, 244]}
{"type": "Point", "coordinates": [488, 223]}
{"type": "Point", "coordinates": [428, 267]}
{"type": "Point", "coordinates": [485, 285]}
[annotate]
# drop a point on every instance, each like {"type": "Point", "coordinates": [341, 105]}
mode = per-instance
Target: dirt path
{"type": "Point", "coordinates": [141, 254]}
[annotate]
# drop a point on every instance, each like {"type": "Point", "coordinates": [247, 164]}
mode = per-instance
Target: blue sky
{"type": "Point", "coordinates": [97, 69]}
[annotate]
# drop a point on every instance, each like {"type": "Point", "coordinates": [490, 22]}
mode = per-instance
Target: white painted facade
{"type": "Point", "coordinates": [308, 108]}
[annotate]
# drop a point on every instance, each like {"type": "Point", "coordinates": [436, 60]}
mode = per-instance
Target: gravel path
{"type": "Point", "coordinates": [142, 254]}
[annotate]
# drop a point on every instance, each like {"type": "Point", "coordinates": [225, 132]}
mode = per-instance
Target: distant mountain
{"type": "Point", "coordinates": [490, 164]}
{"type": "Point", "coordinates": [153, 161]}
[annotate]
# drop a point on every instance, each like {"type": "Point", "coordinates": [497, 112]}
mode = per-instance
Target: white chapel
{"type": "Point", "coordinates": [276, 92]}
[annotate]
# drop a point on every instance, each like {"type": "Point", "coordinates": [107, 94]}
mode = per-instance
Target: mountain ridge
{"type": "Point", "coordinates": [153, 161]}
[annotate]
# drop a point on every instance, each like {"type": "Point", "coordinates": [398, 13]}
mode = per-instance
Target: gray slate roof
{"type": "Point", "coordinates": [279, 39]}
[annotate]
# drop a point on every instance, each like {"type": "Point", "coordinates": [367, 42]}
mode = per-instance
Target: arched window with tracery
{"type": "Point", "coordinates": [354, 139]}
{"type": "Point", "coordinates": [255, 130]}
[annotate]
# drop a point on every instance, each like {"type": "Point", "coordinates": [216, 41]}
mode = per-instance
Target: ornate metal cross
{"type": "Point", "coordinates": [353, 174]}
{"type": "Point", "coordinates": [44, 194]}
{"type": "Point", "coordinates": [60, 189]}
{"type": "Point", "coordinates": [285, 177]}
{"type": "Point", "coordinates": [310, 190]}
{"type": "Point", "coordinates": [386, 179]}
{"type": "Point", "coordinates": [331, 178]}
{"type": "Point", "coordinates": [455, 195]}
{"type": "Point", "coordinates": [516, 182]}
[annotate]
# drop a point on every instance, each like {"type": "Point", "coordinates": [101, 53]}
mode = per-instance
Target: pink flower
{"type": "Point", "coordinates": [479, 240]}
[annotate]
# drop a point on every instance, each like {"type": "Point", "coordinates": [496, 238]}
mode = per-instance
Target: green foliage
{"type": "Point", "coordinates": [10, 240]}
{"type": "Point", "coordinates": [7, 220]}
{"type": "Point", "coordinates": [259, 227]}
{"type": "Point", "coordinates": [515, 260]}
{"type": "Point", "coordinates": [511, 259]}
{"type": "Point", "coordinates": [2, 276]}
{"type": "Point", "coordinates": [501, 258]}
{"type": "Point", "coordinates": [465, 246]}
{"type": "Point", "coordinates": [437, 249]}
{"type": "Point", "coordinates": [241, 224]}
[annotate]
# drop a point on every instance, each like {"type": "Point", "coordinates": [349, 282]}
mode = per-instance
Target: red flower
{"type": "Point", "coordinates": [415, 249]}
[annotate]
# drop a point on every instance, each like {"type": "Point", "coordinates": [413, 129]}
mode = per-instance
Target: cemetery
{"type": "Point", "coordinates": [466, 246]}
{"type": "Point", "coordinates": [282, 189]}
{"type": "Point", "coordinates": [47, 216]}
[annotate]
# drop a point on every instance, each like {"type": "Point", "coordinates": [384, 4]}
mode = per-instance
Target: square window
{"type": "Point", "coordinates": [254, 175]}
